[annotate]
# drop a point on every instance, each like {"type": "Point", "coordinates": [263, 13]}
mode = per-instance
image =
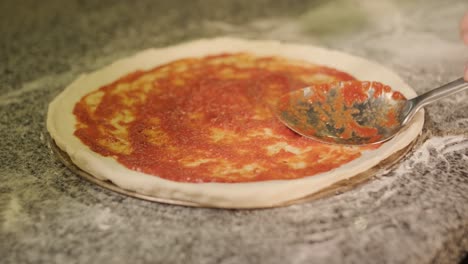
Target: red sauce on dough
{"type": "Point", "coordinates": [209, 120]}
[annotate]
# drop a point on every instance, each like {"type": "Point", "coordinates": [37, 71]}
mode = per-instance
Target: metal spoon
{"type": "Point", "coordinates": [354, 112]}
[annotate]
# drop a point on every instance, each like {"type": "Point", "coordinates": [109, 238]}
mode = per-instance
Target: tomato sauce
{"type": "Point", "coordinates": [209, 120]}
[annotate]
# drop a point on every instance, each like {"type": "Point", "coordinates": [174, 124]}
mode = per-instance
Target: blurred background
{"type": "Point", "coordinates": [65, 33]}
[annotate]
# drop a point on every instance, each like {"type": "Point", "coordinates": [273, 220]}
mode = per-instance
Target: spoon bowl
{"type": "Point", "coordinates": [354, 112]}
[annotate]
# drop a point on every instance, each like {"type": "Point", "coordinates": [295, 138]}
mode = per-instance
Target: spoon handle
{"type": "Point", "coordinates": [439, 93]}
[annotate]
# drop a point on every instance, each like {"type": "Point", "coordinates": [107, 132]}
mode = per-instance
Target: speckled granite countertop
{"type": "Point", "coordinates": [416, 212]}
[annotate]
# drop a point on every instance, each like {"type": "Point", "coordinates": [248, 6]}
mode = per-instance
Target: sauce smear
{"type": "Point", "coordinates": [209, 119]}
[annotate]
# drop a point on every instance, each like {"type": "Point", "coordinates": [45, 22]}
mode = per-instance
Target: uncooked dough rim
{"type": "Point", "coordinates": [60, 123]}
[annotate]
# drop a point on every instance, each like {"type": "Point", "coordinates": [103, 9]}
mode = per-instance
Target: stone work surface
{"type": "Point", "coordinates": [415, 212]}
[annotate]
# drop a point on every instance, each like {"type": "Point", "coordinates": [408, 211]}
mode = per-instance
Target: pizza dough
{"type": "Point", "coordinates": [62, 123]}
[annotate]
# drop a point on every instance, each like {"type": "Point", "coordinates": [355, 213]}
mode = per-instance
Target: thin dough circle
{"type": "Point", "coordinates": [61, 126]}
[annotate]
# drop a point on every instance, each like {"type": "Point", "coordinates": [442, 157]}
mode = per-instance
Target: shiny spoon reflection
{"type": "Point", "coordinates": [354, 112]}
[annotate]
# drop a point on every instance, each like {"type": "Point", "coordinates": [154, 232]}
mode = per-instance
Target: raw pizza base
{"type": "Point", "coordinates": [61, 126]}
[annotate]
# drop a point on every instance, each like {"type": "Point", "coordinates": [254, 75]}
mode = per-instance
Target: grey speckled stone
{"type": "Point", "coordinates": [417, 212]}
